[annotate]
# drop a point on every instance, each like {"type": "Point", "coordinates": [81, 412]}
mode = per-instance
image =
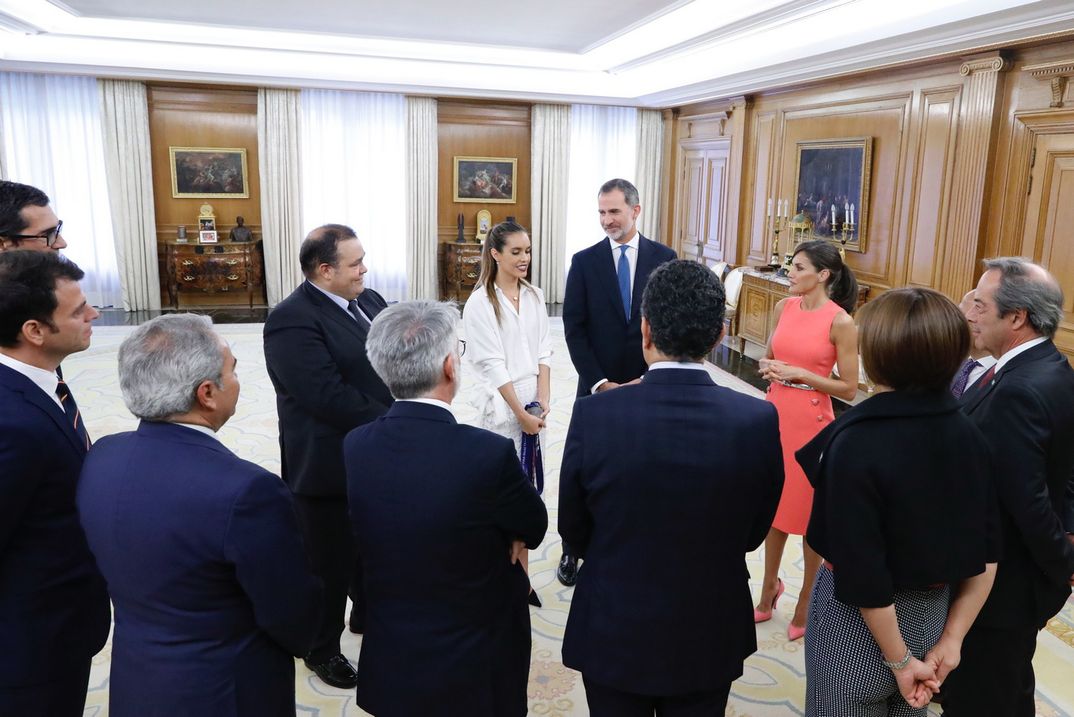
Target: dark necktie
{"type": "Point", "coordinates": [958, 386]}
{"type": "Point", "coordinates": [623, 270]}
{"type": "Point", "coordinates": [983, 381]}
{"type": "Point", "coordinates": [352, 306]}
{"type": "Point", "coordinates": [67, 400]}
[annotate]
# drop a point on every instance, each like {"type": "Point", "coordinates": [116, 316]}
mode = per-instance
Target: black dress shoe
{"type": "Point", "coordinates": [533, 599]}
{"type": "Point", "coordinates": [567, 572]}
{"type": "Point", "coordinates": [337, 671]}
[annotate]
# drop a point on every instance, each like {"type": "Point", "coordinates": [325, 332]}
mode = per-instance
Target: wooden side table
{"type": "Point", "coordinates": [220, 269]}
{"type": "Point", "coordinates": [459, 268]}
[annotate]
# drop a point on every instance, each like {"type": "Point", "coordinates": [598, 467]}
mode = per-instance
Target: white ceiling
{"type": "Point", "coordinates": [652, 53]}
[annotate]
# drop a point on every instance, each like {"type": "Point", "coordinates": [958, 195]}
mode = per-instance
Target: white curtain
{"type": "Point", "coordinates": [650, 153]}
{"type": "Point", "coordinates": [550, 158]}
{"type": "Point", "coordinates": [129, 168]}
{"type": "Point", "coordinates": [354, 159]}
{"type": "Point", "coordinates": [281, 190]}
{"type": "Point", "coordinates": [603, 146]}
{"type": "Point", "coordinates": [53, 141]}
{"type": "Point", "coordinates": [421, 184]}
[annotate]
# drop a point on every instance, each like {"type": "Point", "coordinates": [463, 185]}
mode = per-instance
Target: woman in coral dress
{"type": "Point", "coordinates": [814, 332]}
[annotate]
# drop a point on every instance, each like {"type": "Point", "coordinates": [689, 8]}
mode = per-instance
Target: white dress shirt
{"type": "Point", "coordinates": [508, 351]}
{"type": "Point", "coordinates": [631, 255]}
{"type": "Point", "coordinates": [45, 380]}
{"type": "Point", "coordinates": [983, 364]}
{"type": "Point", "coordinates": [341, 303]}
{"type": "Point", "coordinates": [1020, 348]}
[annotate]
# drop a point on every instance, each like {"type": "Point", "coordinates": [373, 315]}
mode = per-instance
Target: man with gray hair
{"type": "Point", "coordinates": [440, 513]}
{"type": "Point", "coordinates": [1025, 407]}
{"type": "Point", "coordinates": [213, 593]}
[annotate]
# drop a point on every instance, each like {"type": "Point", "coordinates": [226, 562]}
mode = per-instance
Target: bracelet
{"type": "Point", "coordinates": [901, 664]}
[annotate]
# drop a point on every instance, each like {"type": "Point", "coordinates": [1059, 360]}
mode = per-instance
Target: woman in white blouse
{"type": "Point", "coordinates": [507, 344]}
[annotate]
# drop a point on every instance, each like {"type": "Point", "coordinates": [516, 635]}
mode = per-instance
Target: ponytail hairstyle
{"type": "Point", "coordinates": [842, 286]}
{"type": "Point", "coordinates": [496, 239]}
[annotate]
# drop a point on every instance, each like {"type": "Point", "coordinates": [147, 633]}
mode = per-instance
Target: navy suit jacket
{"type": "Point", "coordinates": [665, 486]}
{"type": "Point", "coordinates": [315, 354]}
{"type": "Point", "coordinates": [212, 589]}
{"type": "Point", "coordinates": [434, 506]}
{"type": "Point", "coordinates": [602, 343]}
{"type": "Point", "coordinates": [54, 612]}
{"type": "Point", "coordinates": [1027, 416]}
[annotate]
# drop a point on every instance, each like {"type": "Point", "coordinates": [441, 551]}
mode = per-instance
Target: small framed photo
{"type": "Point", "coordinates": [488, 180]}
{"type": "Point", "coordinates": [208, 238]}
{"type": "Point", "coordinates": [205, 172]}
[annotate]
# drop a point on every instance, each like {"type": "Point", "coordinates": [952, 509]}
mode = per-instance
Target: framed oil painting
{"type": "Point", "coordinates": [206, 172]}
{"type": "Point", "coordinates": [835, 172]}
{"type": "Point", "coordinates": [488, 180]}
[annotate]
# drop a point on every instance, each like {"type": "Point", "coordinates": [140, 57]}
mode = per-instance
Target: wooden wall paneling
{"type": "Point", "coordinates": [930, 185]}
{"type": "Point", "coordinates": [481, 129]}
{"type": "Point", "coordinates": [691, 209]}
{"type": "Point", "coordinates": [977, 121]}
{"type": "Point", "coordinates": [717, 170]}
{"type": "Point", "coordinates": [734, 215]}
{"type": "Point", "coordinates": [754, 245]}
{"type": "Point", "coordinates": [669, 187]}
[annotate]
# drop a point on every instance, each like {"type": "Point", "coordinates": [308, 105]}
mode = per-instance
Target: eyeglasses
{"type": "Point", "coordinates": [462, 347]}
{"type": "Point", "coordinates": [49, 236]}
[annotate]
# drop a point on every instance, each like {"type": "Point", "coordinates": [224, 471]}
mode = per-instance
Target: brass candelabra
{"type": "Point", "coordinates": [841, 234]}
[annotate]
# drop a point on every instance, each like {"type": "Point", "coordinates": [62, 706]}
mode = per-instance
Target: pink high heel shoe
{"type": "Point", "coordinates": [795, 633]}
{"type": "Point", "coordinates": [761, 616]}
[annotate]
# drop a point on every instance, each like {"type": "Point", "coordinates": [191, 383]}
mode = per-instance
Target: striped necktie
{"type": "Point", "coordinates": [67, 400]}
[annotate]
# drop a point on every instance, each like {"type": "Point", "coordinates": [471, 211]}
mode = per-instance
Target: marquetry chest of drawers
{"type": "Point", "coordinates": [226, 271]}
{"type": "Point", "coordinates": [459, 265]}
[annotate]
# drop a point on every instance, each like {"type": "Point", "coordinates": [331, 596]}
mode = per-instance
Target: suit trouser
{"type": "Point", "coordinates": [607, 701]}
{"type": "Point", "coordinates": [65, 697]}
{"type": "Point", "coordinates": [995, 676]}
{"type": "Point", "coordinates": [326, 530]}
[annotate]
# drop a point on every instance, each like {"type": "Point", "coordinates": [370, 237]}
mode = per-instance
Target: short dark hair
{"type": "Point", "coordinates": [1019, 288]}
{"type": "Point", "coordinates": [320, 247]}
{"type": "Point", "coordinates": [28, 289]}
{"type": "Point", "coordinates": [912, 339]}
{"type": "Point", "coordinates": [630, 192]}
{"type": "Point", "coordinates": [684, 304]}
{"type": "Point", "coordinates": [13, 198]}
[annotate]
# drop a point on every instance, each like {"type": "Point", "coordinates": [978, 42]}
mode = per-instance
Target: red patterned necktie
{"type": "Point", "coordinates": [67, 400]}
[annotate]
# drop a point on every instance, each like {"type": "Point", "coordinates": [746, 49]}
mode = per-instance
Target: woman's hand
{"type": "Point", "coordinates": [531, 425]}
{"type": "Point", "coordinates": [775, 370]}
{"type": "Point", "coordinates": [944, 657]}
{"type": "Point", "coordinates": [543, 400]}
{"type": "Point", "coordinates": [917, 682]}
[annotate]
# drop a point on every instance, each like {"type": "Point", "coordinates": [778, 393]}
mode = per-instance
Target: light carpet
{"type": "Point", "coordinates": [774, 681]}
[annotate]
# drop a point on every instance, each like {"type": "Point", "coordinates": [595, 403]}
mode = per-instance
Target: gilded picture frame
{"type": "Point", "coordinates": [486, 180]}
{"type": "Point", "coordinates": [209, 172]}
{"type": "Point", "coordinates": [835, 172]}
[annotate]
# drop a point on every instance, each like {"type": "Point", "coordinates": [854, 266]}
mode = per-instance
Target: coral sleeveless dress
{"type": "Point", "coordinates": [802, 338]}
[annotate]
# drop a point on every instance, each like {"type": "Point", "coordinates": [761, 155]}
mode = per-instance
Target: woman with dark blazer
{"type": "Point", "coordinates": [904, 514]}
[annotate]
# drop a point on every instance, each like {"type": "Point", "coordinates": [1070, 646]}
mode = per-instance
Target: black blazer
{"type": "Point", "coordinates": [315, 354]}
{"type": "Point", "coordinates": [1027, 415]}
{"type": "Point", "coordinates": [904, 496]}
{"type": "Point", "coordinates": [54, 611]}
{"type": "Point", "coordinates": [213, 592]}
{"type": "Point", "coordinates": [434, 505]}
{"type": "Point", "coordinates": [601, 342]}
{"type": "Point", "coordinates": [665, 486]}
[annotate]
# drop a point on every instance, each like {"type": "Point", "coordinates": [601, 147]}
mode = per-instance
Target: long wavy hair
{"type": "Point", "coordinates": [497, 239]}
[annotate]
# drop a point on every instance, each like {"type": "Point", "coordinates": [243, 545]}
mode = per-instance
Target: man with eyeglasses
{"type": "Point", "coordinates": [26, 219]}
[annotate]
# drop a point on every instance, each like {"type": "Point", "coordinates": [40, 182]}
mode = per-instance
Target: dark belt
{"type": "Point", "coordinates": [934, 586]}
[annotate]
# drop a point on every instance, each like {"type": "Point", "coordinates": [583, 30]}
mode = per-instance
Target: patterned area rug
{"type": "Point", "coordinates": [774, 681]}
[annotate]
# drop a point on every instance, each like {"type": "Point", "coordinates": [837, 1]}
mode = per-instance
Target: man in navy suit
{"type": "Point", "coordinates": [315, 353]}
{"type": "Point", "coordinates": [441, 513]}
{"type": "Point", "coordinates": [1025, 407]}
{"type": "Point", "coordinates": [665, 486]}
{"type": "Point", "coordinates": [54, 612]}
{"type": "Point", "coordinates": [601, 306]}
{"type": "Point", "coordinates": [201, 550]}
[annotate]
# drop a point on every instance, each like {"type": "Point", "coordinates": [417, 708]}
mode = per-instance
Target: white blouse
{"type": "Point", "coordinates": [512, 349]}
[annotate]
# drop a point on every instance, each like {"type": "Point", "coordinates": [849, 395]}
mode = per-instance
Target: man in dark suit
{"type": "Point", "coordinates": [54, 612]}
{"type": "Point", "coordinates": [665, 486]}
{"type": "Point", "coordinates": [1025, 407]}
{"type": "Point", "coordinates": [601, 306]}
{"type": "Point", "coordinates": [213, 591]}
{"type": "Point", "coordinates": [26, 219]}
{"type": "Point", "coordinates": [315, 353]}
{"type": "Point", "coordinates": [441, 513]}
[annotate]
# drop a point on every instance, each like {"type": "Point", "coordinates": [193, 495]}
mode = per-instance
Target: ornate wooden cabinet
{"type": "Point", "coordinates": [761, 291]}
{"type": "Point", "coordinates": [223, 270]}
{"type": "Point", "coordinates": [460, 265]}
